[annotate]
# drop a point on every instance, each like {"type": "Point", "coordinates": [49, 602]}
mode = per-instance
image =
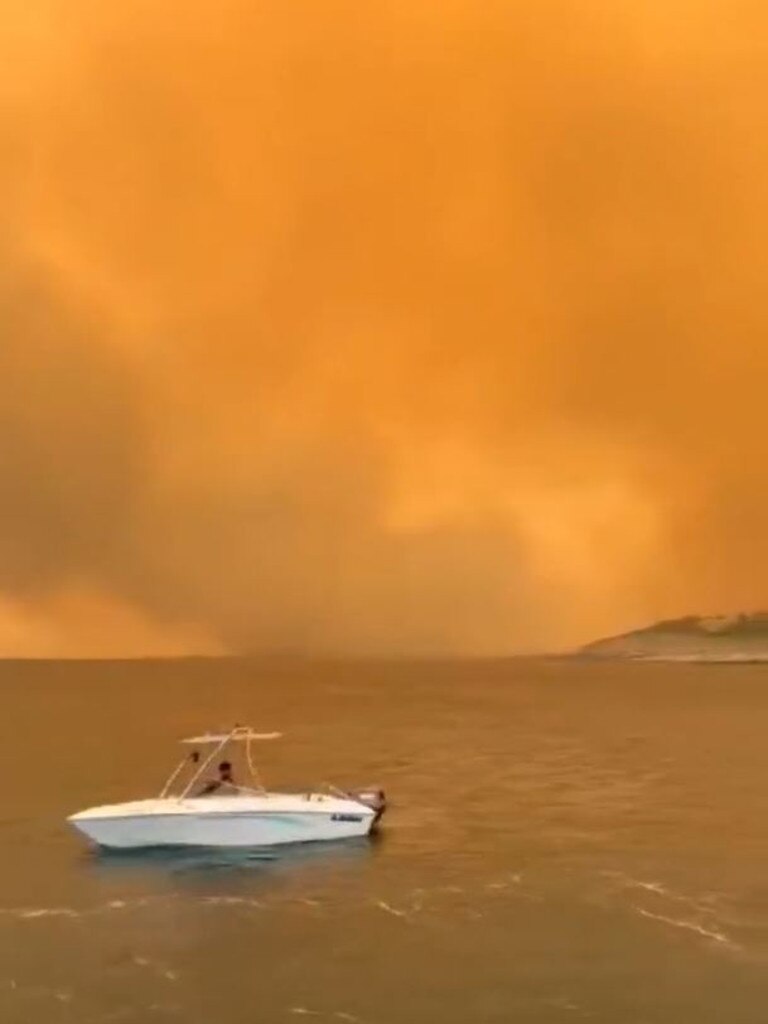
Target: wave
{"type": "Point", "coordinates": [691, 926]}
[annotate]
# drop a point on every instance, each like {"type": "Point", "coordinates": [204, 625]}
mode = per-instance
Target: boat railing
{"type": "Point", "coordinates": [334, 790]}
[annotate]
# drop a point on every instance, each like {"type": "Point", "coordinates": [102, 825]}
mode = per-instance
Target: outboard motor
{"type": "Point", "coordinates": [375, 799]}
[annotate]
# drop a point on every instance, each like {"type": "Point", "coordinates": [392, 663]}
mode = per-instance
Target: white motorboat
{"type": "Point", "coordinates": [222, 813]}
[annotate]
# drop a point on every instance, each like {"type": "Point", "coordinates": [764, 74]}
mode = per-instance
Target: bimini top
{"type": "Point", "coordinates": [240, 733]}
{"type": "Point", "coordinates": [216, 743]}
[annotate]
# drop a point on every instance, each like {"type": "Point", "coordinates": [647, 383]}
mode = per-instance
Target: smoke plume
{"type": "Point", "coordinates": [385, 328]}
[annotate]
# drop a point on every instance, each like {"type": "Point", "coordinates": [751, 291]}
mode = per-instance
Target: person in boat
{"type": "Point", "coordinates": [224, 781]}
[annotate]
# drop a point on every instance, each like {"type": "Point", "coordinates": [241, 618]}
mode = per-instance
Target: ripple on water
{"type": "Point", "coordinates": [691, 926]}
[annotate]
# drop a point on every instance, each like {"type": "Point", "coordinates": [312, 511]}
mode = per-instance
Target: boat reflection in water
{"type": "Point", "coordinates": [267, 860]}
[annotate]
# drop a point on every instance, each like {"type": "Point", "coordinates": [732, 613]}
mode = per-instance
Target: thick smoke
{"type": "Point", "coordinates": [396, 328]}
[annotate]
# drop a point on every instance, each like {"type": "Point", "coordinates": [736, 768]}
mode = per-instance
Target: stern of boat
{"type": "Point", "coordinates": [375, 799]}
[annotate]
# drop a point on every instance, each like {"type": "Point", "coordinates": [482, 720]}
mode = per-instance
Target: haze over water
{"type": "Point", "coordinates": [566, 842]}
{"type": "Point", "coordinates": [401, 330]}
{"type": "Point", "coordinates": [441, 323]}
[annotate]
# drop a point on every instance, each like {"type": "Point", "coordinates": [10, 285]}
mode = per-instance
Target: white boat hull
{"type": "Point", "coordinates": [232, 821]}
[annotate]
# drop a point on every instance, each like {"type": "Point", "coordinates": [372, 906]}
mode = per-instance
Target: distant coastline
{"type": "Point", "coordinates": [721, 639]}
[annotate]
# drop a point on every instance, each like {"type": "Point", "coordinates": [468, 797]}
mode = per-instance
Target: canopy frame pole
{"type": "Point", "coordinates": [173, 776]}
{"type": "Point", "coordinates": [255, 776]}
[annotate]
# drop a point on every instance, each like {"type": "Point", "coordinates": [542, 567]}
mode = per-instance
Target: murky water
{"type": "Point", "coordinates": [566, 842]}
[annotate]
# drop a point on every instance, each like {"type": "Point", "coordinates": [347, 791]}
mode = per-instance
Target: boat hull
{"type": "Point", "coordinates": [224, 822]}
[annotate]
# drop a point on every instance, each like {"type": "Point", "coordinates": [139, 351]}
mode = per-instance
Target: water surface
{"type": "Point", "coordinates": [568, 841]}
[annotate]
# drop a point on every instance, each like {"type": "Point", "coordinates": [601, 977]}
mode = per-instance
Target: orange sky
{"type": "Point", "coordinates": [431, 327]}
